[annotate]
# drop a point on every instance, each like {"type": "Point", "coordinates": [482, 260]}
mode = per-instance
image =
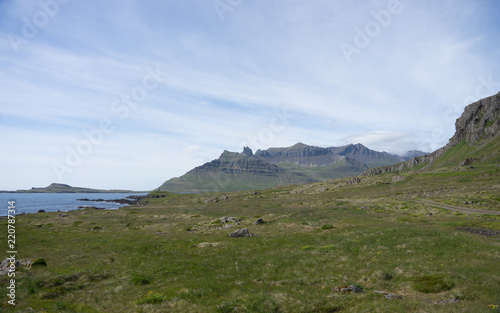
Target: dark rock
{"type": "Point", "coordinates": [41, 211]}
{"type": "Point", "coordinates": [467, 161]}
{"type": "Point", "coordinates": [247, 151]}
{"type": "Point", "coordinates": [242, 233]}
{"type": "Point", "coordinates": [259, 221]}
{"type": "Point", "coordinates": [388, 295]}
{"type": "Point", "coordinates": [353, 180]}
{"type": "Point", "coordinates": [447, 301]}
{"type": "Point", "coordinates": [487, 232]}
{"type": "Point", "coordinates": [348, 289]}
{"type": "Point", "coordinates": [354, 289]}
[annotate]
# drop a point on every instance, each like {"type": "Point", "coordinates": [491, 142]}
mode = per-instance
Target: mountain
{"type": "Point", "coordinates": [298, 164]}
{"type": "Point", "coordinates": [62, 188]}
{"type": "Point", "coordinates": [476, 140]}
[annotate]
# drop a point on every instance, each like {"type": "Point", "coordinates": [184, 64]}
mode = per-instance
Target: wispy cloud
{"type": "Point", "coordinates": [226, 79]}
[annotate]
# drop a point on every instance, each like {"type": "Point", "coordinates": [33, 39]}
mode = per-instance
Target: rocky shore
{"type": "Point", "coordinates": [130, 200]}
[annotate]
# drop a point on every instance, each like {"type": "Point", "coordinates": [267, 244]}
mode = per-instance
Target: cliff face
{"type": "Point", "coordinates": [234, 171]}
{"type": "Point", "coordinates": [310, 156]}
{"type": "Point", "coordinates": [298, 164]}
{"type": "Point", "coordinates": [479, 122]}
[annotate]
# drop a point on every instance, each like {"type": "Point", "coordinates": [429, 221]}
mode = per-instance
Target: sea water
{"type": "Point", "coordinates": [53, 202]}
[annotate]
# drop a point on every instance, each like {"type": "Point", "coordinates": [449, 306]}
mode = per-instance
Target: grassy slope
{"type": "Point", "coordinates": [112, 261]}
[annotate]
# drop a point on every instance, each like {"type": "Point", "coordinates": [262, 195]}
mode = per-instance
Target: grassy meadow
{"type": "Point", "coordinates": [170, 256]}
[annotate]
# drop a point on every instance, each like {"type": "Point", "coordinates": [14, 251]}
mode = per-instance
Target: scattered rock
{"type": "Point", "coordinates": [467, 161]}
{"type": "Point", "coordinates": [447, 301]}
{"type": "Point", "coordinates": [91, 207]}
{"type": "Point", "coordinates": [364, 207]}
{"type": "Point", "coordinates": [242, 233]}
{"type": "Point", "coordinates": [429, 213]}
{"type": "Point", "coordinates": [388, 295]}
{"type": "Point", "coordinates": [225, 197]}
{"type": "Point", "coordinates": [155, 196]}
{"type": "Point", "coordinates": [208, 244]}
{"type": "Point", "coordinates": [353, 180]}
{"type": "Point", "coordinates": [481, 231]}
{"type": "Point", "coordinates": [209, 200]}
{"type": "Point", "coordinates": [158, 233]}
{"type": "Point", "coordinates": [226, 219]}
{"type": "Point", "coordinates": [63, 215]}
{"type": "Point", "coordinates": [348, 289]}
{"type": "Point", "coordinates": [228, 226]}
{"type": "Point", "coordinates": [398, 178]}
{"type": "Point", "coordinates": [259, 221]}
{"type": "Point", "coordinates": [7, 265]}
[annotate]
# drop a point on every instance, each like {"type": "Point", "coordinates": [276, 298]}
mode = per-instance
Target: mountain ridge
{"type": "Point", "coordinates": [297, 164]}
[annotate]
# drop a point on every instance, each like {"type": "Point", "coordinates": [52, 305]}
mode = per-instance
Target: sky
{"type": "Point", "coordinates": [126, 94]}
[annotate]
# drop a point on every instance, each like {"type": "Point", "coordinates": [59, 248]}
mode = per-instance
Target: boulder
{"type": "Point", "coordinates": [348, 289]}
{"type": "Point", "coordinates": [242, 233]}
{"type": "Point", "coordinates": [259, 221]}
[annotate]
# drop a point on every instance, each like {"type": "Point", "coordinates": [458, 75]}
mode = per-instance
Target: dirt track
{"type": "Point", "coordinates": [458, 208]}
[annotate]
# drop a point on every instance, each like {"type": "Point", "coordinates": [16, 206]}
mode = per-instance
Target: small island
{"type": "Point", "coordinates": [62, 188]}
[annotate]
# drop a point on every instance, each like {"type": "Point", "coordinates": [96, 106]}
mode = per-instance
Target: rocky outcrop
{"type": "Point", "coordinates": [480, 120]}
{"type": "Point", "coordinates": [242, 233]}
{"type": "Point", "coordinates": [429, 158]}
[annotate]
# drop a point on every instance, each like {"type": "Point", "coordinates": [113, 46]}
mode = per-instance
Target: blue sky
{"type": "Point", "coordinates": [127, 94]}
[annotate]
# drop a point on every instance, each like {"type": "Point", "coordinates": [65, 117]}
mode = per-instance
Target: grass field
{"type": "Point", "coordinates": [169, 256]}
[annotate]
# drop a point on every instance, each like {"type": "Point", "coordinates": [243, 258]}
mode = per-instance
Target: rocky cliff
{"type": "Point", "coordinates": [298, 164]}
{"type": "Point", "coordinates": [479, 122]}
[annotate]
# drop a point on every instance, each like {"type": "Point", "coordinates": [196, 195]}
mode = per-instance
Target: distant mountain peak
{"type": "Point", "coordinates": [299, 145]}
{"type": "Point", "coordinates": [247, 151]}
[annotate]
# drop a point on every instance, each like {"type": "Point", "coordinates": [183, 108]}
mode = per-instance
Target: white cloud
{"type": "Point", "coordinates": [228, 77]}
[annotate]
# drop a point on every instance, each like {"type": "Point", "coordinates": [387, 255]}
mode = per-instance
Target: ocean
{"type": "Point", "coordinates": [53, 202]}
